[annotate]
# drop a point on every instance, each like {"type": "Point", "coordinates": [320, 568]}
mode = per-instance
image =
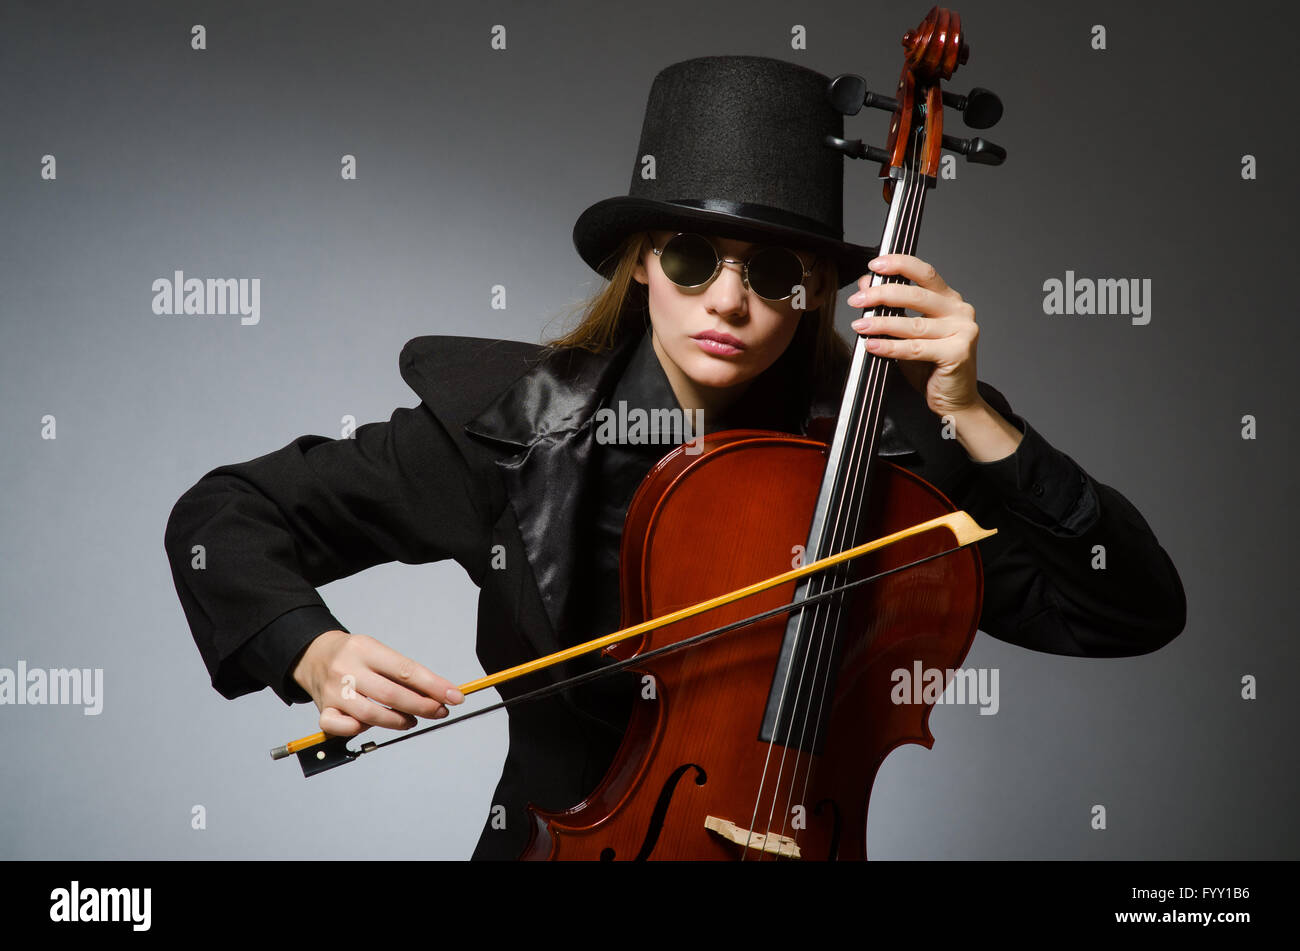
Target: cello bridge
{"type": "Point", "coordinates": [781, 846]}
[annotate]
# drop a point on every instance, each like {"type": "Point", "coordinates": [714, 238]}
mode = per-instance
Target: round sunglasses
{"type": "Point", "coordinates": [691, 261]}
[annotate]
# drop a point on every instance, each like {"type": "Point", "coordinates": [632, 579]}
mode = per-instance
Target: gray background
{"type": "Point", "coordinates": [473, 166]}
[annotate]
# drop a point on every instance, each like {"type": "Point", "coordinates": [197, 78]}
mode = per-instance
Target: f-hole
{"type": "Point", "coordinates": [661, 810]}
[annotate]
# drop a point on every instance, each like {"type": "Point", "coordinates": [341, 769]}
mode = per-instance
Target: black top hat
{"type": "Point", "coordinates": [739, 151]}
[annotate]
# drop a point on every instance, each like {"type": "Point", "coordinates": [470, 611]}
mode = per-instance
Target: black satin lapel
{"type": "Point", "coordinates": [549, 412]}
{"type": "Point", "coordinates": [556, 395]}
{"type": "Point", "coordinates": [546, 484]}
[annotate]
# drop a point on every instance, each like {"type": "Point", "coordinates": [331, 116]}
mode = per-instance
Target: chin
{"type": "Point", "coordinates": [715, 372]}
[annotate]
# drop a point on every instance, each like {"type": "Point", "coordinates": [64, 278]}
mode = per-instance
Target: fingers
{"type": "Point", "coordinates": [367, 683]}
{"type": "Point", "coordinates": [942, 353]}
{"type": "Point", "coordinates": [913, 268]}
{"type": "Point", "coordinates": [916, 327]}
{"type": "Point", "coordinates": [911, 297]}
{"type": "Point", "coordinates": [360, 707]}
{"type": "Point", "coordinates": [962, 332]}
{"type": "Point", "coordinates": [943, 312]}
{"type": "Point", "coordinates": [936, 349]}
{"type": "Point", "coordinates": [381, 689]}
{"type": "Point", "coordinates": [922, 338]}
{"type": "Point", "coordinates": [406, 673]}
{"type": "Point", "coordinates": [337, 723]}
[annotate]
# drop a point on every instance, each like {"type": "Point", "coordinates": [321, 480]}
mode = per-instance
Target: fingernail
{"type": "Point", "coordinates": [875, 262]}
{"type": "Point", "coordinates": [455, 696]}
{"type": "Point", "coordinates": [442, 712]}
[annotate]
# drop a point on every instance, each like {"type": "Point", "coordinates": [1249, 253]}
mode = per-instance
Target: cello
{"type": "Point", "coordinates": [765, 743]}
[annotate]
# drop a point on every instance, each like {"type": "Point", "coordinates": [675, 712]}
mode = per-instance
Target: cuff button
{"type": "Point", "coordinates": [1037, 489]}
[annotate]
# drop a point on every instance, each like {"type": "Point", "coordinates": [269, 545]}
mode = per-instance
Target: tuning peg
{"type": "Point", "coordinates": [854, 148]}
{"type": "Point", "coordinates": [846, 93]}
{"type": "Point", "coordinates": [849, 93]}
{"type": "Point", "coordinates": [977, 150]}
{"type": "Point", "coordinates": [980, 108]}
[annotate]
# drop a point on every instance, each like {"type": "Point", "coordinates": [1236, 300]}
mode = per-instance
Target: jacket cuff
{"type": "Point", "coordinates": [270, 655]}
{"type": "Point", "coordinates": [1043, 485]}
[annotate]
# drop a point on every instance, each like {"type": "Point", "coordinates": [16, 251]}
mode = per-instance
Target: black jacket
{"type": "Point", "coordinates": [497, 453]}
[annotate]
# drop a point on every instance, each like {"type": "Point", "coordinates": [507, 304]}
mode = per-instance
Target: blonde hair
{"type": "Point", "coordinates": [603, 317]}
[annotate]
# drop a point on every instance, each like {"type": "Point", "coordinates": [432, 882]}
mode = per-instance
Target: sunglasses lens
{"type": "Point", "coordinates": [688, 260]}
{"type": "Point", "coordinates": [773, 273]}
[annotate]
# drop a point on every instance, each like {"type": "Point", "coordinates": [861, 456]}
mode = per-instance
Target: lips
{"type": "Point", "coordinates": [726, 339]}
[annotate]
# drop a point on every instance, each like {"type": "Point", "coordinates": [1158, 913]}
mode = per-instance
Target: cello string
{"type": "Point", "coordinates": [806, 623]}
{"type": "Point", "coordinates": [851, 509]}
{"type": "Point", "coordinates": [858, 503]}
{"type": "Point", "coordinates": [802, 633]}
{"type": "Point", "coordinates": [847, 493]}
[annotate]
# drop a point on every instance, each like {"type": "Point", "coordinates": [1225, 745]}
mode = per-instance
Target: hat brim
{"type": "Point", "coordinates": [601, 228]}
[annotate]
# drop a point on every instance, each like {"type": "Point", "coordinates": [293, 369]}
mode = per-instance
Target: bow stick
{"type": "Point", "coordinates": [964, 528]}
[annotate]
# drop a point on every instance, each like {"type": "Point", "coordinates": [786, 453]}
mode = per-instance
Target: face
{"type": "Point", "coordinates": [721, 335]}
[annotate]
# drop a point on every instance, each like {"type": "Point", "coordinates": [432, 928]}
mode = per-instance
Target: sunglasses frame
{"type": "Point", "coordinates": [719, 260]}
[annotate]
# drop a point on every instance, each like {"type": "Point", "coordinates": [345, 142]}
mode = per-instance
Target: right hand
{"type": "Point", "coordinates": [358, 682]}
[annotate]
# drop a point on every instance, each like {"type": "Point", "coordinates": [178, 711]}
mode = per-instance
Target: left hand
{"type": "Point", "coordinates": [937, 350]}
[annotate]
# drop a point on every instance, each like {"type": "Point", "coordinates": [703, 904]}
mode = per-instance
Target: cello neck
{"type": "Point", "coordinates": [837, 522]}
{"type": "Point", "coordinates": [852, 453]}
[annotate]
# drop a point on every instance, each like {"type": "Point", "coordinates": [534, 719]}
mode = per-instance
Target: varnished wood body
{"type": "Point", "coordinates": [706, 524]}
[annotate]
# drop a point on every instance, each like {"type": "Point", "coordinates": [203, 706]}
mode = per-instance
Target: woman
{"type": "Point", "coordinates": [723, 267]}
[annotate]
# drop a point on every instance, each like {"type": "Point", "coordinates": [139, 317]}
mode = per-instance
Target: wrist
{"type": "Point", "coordinates": [321, 646]}
{"type": "Point", "coordinates": [984, 433]}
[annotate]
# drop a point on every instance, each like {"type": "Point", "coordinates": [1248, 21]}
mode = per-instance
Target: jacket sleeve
{"type": "Point", "coordinates": [1074, 568]}
{"type": "Point", "coordinates": [249, 543]}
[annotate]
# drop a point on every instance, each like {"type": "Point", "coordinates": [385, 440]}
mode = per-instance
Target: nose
{"type": "Point", "coordinates": [727, 291]}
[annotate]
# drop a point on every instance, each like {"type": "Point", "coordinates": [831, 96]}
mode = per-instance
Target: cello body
{"type": "Point", "coordinates": [693, 779]}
